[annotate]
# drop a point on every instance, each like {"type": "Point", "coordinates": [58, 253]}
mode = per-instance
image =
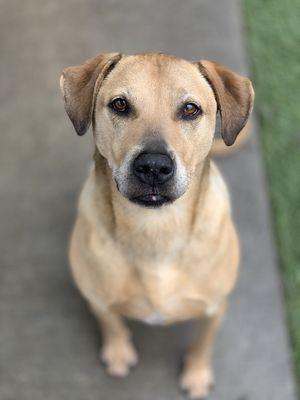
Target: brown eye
{"type": "Point", "coordinates": [119, 105]}
{"type": "Point", "coordinates": [190, 111]}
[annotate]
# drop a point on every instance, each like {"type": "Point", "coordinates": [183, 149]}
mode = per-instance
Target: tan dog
{"type": "Point", "coordinates": [154, 239]}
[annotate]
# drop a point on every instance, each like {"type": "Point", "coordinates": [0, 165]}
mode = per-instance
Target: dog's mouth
{"type": "Point", "coordinates": [152, 200]}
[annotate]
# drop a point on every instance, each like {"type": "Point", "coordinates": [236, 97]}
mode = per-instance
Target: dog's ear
{"type": "Point", "coordinates": [80, 85]}
{"type": "Point", "coordinates": [234, 96]}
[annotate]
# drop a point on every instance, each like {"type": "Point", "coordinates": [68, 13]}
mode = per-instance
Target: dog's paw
{"type": "Point", "coordinates": [197, 382]}
{"type": "Point", "coordinates": [119, 358]}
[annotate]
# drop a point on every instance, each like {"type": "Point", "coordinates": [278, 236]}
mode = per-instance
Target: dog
{"type": "Point", "coordinates": [154, 239]}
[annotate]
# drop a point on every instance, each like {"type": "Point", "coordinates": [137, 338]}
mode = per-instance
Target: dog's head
{"type": "Point", "coordinates": [154, 116]}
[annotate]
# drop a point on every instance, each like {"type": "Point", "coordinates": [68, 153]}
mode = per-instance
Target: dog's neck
{"type": "Point", "coordinates": [135, 218]}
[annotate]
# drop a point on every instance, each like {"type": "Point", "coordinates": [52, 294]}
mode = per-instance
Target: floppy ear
{"type": "Point", "coordinates": [234, 96]}
{"type": "Point", "coordinates": [80, 85]}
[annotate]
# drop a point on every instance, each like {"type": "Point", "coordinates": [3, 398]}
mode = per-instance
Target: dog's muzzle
{"type": "Point", "coordinates": [153, 171]}
{"type": "Point", "coordinates": [152, 177]}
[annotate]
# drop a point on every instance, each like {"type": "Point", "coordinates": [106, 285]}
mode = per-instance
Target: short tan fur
{"type": "Point", "coordinates": [166, 263]}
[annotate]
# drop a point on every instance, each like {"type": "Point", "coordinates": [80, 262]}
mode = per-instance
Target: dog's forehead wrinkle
{"type": "Point", "coordinates": [125, 91]}
{"type": "Point", "coordinates": [156, 67]}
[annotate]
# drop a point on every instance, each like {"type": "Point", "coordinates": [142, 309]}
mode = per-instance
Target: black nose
{"type": "Point", "coordinates": [153, 168]}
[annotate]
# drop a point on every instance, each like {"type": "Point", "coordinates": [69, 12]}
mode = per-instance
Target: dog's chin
{"type": "Point", "coordinates": [145, 197]}
{"type": "Point", "coordinates": [151, 200]}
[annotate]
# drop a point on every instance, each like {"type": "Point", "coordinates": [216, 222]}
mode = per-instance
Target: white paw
{"type": "Point", "coordinates": [197, 382]}
{"type": "Point", "coordinates": [119, 357]}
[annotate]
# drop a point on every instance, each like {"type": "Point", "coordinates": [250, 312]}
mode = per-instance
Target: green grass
{"type": "Point", "coordinates": [274, 45]}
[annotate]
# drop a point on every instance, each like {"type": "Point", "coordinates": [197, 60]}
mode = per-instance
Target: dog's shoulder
{"type": "Point", "coordinates": [217, 186]}
{"type": "Point", "coordinates": [87, 195]}
{"type": "Point", "coordinates": [93, 204]}
{"type": "Point", "coordinates": [212, 211]}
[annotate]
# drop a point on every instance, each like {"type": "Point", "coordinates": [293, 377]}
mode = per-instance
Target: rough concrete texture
{"type": "Point", "coordinates": [49, 342]}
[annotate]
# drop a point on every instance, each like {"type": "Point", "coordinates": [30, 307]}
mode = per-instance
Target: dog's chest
{"type": "Point", "coordinates": [163, 296]}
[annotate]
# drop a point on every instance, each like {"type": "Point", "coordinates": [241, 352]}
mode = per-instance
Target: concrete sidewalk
{"type": "Point", "coordinates": [48, 342]}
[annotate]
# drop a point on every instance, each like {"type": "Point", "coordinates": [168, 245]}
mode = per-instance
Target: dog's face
{"type": "Point", "coordinates": [154, 122]}
{"type": "Point", "coordinates": [153, 117]}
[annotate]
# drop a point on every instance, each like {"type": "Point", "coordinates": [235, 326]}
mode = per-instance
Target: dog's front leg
{"type": "Point", "coordinates": [197, 377]}
{"type": "Point", "coordinates": [117, 353]}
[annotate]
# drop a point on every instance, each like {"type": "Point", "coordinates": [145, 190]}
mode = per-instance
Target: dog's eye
{"type": "Point", "coordinates": [119, 105]}
{"type": "Point", "coordinates": [190, 111]}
